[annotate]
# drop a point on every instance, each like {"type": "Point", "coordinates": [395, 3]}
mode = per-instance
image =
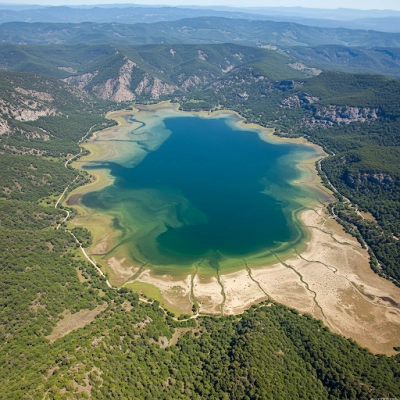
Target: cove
{"type": "Point", "coordinates": [189, 190]}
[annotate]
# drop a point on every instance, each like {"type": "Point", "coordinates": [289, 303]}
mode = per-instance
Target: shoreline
{"type": "Point", "coordinates": [308, 178]}
{"type": "Point", "coordinates": [326, 275]}
{"type": "Point", "coordinates": [102, 178]}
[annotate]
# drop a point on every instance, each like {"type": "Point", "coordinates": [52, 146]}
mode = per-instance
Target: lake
{"type": "Point", "coordinates": [188, 190]}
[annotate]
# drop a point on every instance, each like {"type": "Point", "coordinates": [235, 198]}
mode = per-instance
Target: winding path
{"type": "Point", "coordinates": [101, 273]}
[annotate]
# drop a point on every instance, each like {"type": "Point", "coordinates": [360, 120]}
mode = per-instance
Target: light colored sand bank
{"type": "Point", "coordinates": [337, 286]}
{"type": "Point", "coordinates": [175, 293]}
{"type": "Point", "coordinates": [241, 291]}
{"type": "Point", "coordinates": [208, 293]}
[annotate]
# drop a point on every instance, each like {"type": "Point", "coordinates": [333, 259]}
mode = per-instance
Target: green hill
{"type": "Point", "coordinates": [376, 60]}
{"type": "Point", "coordinates": [170, 68]}
{"type": "Point", "coordinates": [194, 30]}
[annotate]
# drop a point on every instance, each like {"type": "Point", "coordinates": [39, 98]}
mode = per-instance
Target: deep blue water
{"type": "Point", "coordinates": [221, 172]}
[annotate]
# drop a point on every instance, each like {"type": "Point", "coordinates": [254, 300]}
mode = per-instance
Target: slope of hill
{"type": "Point", "coordinates": [378, 20]}
{"type": "Point", "coordinates": [375, 60]}
{"type": "Point", "coordinates": [40, 114]}
{"type": "Point", "coordinates": [194, 30]}
{"type": "Point", "coordinates": [124, 73]}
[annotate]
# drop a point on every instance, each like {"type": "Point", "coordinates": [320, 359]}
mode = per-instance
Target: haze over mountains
{"type": "Point", "coordinates": [315, 47]}
{"type": "Point", "coordinates": [381, 20]}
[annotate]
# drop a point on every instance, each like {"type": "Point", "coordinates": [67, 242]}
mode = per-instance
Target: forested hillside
{"type": "Point", "coordinates": [375, 60]}
{"type": "Point", "coordinates": [200, 30]}
{"type": "Point", "coordinates": [123, 73]}
{"type": "Point", "coordinates": [41, 115]}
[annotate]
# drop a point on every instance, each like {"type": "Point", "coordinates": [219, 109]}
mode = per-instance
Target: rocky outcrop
{"type": "Point", "coordinates": [153, 87]}
{"type": "Point", "coordinates": [303, 68]}
{"type": "Point", "coordinates": [117, 89]}
{"type": "Point", "coordinates": [192, 82]}
{"type": "Point", "coordinates": [4, 128]}
{"type": "Point", "coordinates": [227, 69]}
{"type": "Point", "coordinates": [26, 110]}
{"type": "Point", "coordinates": [33, 115]}
{"type": "Point", "coordinates": [203, 56]}
{"type": "Point", "coordinates": [246, 81]}
{"type": "Point", "coordinates": [298, 100]}
{"type": "Point", "coordinates": [240, 80]}
{"type": "Point", "coordinates": [37, 95]}
{"type": "Point", "coordinates": [68, 69]}
{"type": "Point", "coordinates": [357, 180]}
{"type": "Point", "coordinates": [341, 115]}
{"type": "Point", "coordinates": [80, 80]}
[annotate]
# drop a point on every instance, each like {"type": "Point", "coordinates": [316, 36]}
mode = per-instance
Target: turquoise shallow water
{"type": "Point", "coordinates": [210, 191]}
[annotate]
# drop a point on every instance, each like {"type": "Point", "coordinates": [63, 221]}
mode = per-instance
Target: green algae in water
{"type": "Point", "coordinates": [210, 191]}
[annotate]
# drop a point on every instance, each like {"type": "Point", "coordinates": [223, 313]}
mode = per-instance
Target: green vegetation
{"type": "Point", "coordinates": [375, 60]}
{"type": "Point", "coordinates": [193, 30]}
{"type": "Point", "coordinates": [26, 177]}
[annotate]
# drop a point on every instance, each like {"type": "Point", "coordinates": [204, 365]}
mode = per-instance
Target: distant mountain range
{"type": "Point", "coordinates": [380, 20]}
{"type": "Point", "coordinates": [304, 47]}
{"type": "Point", "coordinates": [194, 30]}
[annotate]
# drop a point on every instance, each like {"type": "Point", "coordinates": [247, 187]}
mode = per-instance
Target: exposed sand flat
{"type": "Point", "coordinates": [352, 300]}
{"type": "Point", "coordinates": [175, 293]}
{"type": "Point", "coordinates": [121, 270]}
{"type": "Point", "coordinates": [208, 293]}
{"type": "Point", "coordinates": [240, 291]}
{"type": "Point", "coordinates": [284, 286]}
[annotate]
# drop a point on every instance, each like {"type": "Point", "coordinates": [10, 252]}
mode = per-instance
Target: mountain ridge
{"type": "Point", "coordinates": [195, 31]}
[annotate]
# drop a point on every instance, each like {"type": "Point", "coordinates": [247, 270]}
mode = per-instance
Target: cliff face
{"type": "Point", "coordinates": [153, 87]}
{"type": "Point", "coordinates": [118, 88]}
{"type": "Point", "coordinates": [24, 99]}
{"type": "Point", "coordinates": [342, 115]}
{"type": "Point", "coordinates": [356, 180]}
{"type": "Point", "coordinates": [80, 81]}
{"type": "Point", "coordinates": [191, 82]}
{"type": "Point", "coordinates": [25, 108]}
{"type": "Point", "coordinates": [4, 127]}
{"type": "Point", "coordinates": [121, 88]}
{"type": "Point", "coordinates": [329, 115]}
{"type": "Point", "coordinates": [298, 100]}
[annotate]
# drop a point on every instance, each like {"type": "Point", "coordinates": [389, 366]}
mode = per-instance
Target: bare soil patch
{"type": "Point", "coordinates": [71, 322]}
